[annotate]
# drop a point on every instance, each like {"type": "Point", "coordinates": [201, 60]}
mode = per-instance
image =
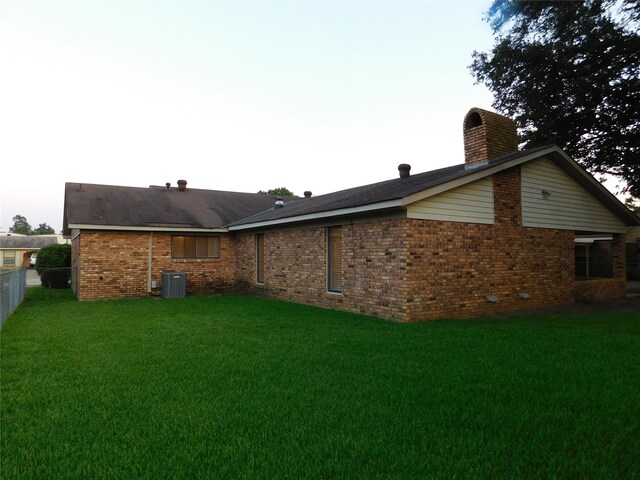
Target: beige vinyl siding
{"type": "Point", "coordinates": [567, 207]}
{"type": "Point", "coordinates": [471, 203]}
{"type": "Point", "coordinates": [633, 235]}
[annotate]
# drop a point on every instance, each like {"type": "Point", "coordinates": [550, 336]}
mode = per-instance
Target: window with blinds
{"type": "Point", "coordinates": [195, 247]}
{"type": "Point", "coordinates": [334, 259]}
{"type": "Point", "coordinates": [260, 258]}
{"type": "Point", "coordinates": [9, 259]}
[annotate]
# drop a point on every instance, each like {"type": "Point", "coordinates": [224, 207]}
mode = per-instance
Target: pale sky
{"type": "Point", "coordinates": [236, 96]}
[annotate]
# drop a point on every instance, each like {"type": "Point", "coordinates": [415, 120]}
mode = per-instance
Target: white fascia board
{"type": "Point", "coordinates": [321, 215]}
{"type": "Point", "coordinates": [146, 229]}
{"type": "Point", "coordinates": [416, 197]}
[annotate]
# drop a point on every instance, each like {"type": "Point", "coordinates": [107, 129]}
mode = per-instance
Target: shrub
{"type": "Point", "coordinates": [54, 266]}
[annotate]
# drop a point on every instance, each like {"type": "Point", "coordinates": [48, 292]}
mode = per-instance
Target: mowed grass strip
{"type": "Point", "coordinates": [242, 387]}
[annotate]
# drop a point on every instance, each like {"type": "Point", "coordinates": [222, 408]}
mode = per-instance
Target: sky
{"type": "Point", "coordinates": [237, 96]}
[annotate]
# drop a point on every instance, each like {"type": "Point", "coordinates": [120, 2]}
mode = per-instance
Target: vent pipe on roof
{"type": "Point", "coordinates": [279, 203]}
{"type": "Point", "coordinates": [404, 169]}
{"type": "Point", "coordinates": [307, 194]}
{"type": "Point", "coordinates": [168, 184]}
{"type": "Point", "coordinates": [182, 185]}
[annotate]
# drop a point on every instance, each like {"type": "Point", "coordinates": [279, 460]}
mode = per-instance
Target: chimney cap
{"type": "Point", "coordinates": [404, 169]}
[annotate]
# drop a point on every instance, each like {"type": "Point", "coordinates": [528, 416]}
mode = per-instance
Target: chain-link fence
{"type": "Point", "coordinates": [12, 288]}
{"type": "Point", "coordinates": [55, 277]}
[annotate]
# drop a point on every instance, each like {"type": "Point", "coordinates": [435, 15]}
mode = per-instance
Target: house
{"type": "Point", "coordinates": [16, 249]}
{"type": "Point", "coordinates": [505, 231]}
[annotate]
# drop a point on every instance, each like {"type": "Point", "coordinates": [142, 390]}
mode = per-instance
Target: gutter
{"type": "Point", "coordinates": [122, 228]}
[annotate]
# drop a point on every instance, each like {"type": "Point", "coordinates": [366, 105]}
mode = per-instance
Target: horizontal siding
{"type": "Point", "coordinates": [472, 203]}
{"type": "Point", "coordinates": [568, 207]}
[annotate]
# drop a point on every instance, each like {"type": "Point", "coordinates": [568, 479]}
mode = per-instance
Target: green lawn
{"type": "Point", "coordinates": [240, 387]}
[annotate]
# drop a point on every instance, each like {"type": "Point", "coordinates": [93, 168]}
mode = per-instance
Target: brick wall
{"type": "Point", "coordinates": [455, 266]}
{"type": "Point", "coordinates": [374, 272]}
{"type": "Point", "coordinates": [411, 270]}
{"type": "Point", "coordinates": [115, 264]}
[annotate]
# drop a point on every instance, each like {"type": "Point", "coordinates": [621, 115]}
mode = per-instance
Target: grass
{"type": "Point", "coordinates": [240, 387]}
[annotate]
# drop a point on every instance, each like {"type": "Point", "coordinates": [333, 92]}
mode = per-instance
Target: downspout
{"type": "Point", "coordinates": [149, 262]}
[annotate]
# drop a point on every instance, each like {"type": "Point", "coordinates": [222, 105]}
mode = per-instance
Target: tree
{"type": "Point", "coordinates": [44, 229]}
{"type": "Point", "coordinates": [20, 225]}
{"type": "Point", "coordinates": [633, 204]}
{"type": "Point", "coordinates": [569, 73]}
{"type": "Point", "coordinates": [283, 191]}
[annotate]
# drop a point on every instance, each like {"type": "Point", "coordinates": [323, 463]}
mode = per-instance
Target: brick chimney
{"type": "Point", "coordinates": [487, 135]}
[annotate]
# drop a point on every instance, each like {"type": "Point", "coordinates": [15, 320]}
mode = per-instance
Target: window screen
{"type": "Point", "coordinates": [195, 247]}
{"type": "Point", "coordinates": [334, 259]}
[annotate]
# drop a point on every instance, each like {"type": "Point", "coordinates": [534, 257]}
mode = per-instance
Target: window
{"type": "Point", "coordinates": [9, 259]}
{"type": "Point", "coordinates": [594, 259]}
{"type": "Point", "coordinates": [260, 258]}
{"type": "Point", "coordinates": [195, 247]}
{"type": "Point", "coordinates": [334, 259]}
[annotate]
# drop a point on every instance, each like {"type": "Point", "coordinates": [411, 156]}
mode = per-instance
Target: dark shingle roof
{"type": "Point", "coordinates": [19, 242]}
{"type": "Point", "coordinates": [388, 190]}
{"type": "Point", "coordinates": [109, 205]}
{"type": "Point", "coordinates": [106, 205]}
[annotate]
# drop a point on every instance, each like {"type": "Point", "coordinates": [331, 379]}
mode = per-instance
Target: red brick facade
{"type": "Point", "coordinates": [116, 264]}
{"type": "Point", "coordinates": [295, 269]}
{"type": "Point", "coordinates": [412, 270]}
{"type": "Point", "coordinates": [396, 268]}
{"type": "Point", "coordinates": [456, 266]}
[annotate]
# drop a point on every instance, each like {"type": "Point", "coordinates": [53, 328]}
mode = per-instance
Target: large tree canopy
{"type": "Point", "coordinates": [569, 73]}
{"type": "Point", "coordinates": [20, 225]}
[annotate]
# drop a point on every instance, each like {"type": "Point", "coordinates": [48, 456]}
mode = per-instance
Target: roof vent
{"type": "Point", "coordinates": [404, 169]}
{"type": "Point", "coordinates": [307, 194]}
{"type": "Point", "coordinates": [279, 203]}
{"type": "Point", "coordinates": [168, 184]}
{"type": "Point", "coordinates": [182, 185]}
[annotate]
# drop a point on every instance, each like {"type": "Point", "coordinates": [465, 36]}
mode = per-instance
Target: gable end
{"type": "Point", "coordinates": [553, 199]}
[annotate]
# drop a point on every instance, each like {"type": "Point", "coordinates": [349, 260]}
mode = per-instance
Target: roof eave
{"type": "Point", "coordinates": [130, 228]}
{"type": "Point", "coordinates": [320, 215]}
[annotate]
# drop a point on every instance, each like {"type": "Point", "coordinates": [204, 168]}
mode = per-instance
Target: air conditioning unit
{"type": "Point", "coordinates": [174, 285]}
